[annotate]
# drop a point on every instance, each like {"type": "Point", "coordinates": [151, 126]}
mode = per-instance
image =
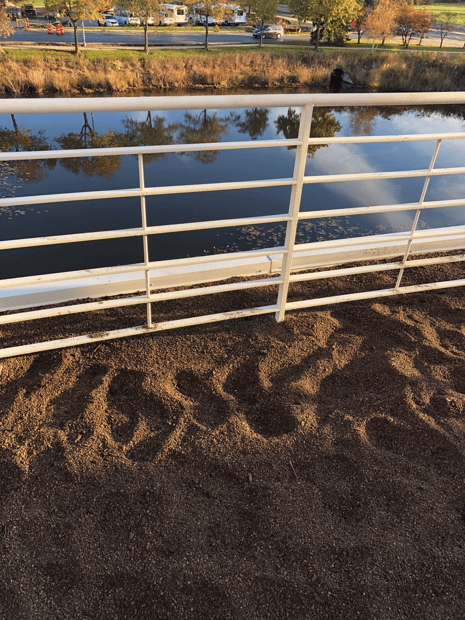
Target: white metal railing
{"type": "Point", "coordinates": [278, 266]}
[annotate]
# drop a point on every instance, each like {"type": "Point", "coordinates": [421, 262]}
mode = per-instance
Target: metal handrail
{"type": "Point", "coordinates": [227, 265]}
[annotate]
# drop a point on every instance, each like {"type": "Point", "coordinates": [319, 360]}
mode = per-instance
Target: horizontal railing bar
{"type": "Point", "coordinates": [46, 313]}
{"type": "Point", "coordinates": [346, 271]}
{"type": "Point", "coordinates": [214, 318]}
{"type": "Point", "coordinates": [132, 331]}
{"type": "Point", "coordinates": [62, 343]}
{"type": "Point", "coordinates": [397, 138]}
{"type": "Point", "coordinates": [109, 304]}
{"type": "Point", "coordinates": [437, 260]}
{"type": "Point", "coordinates": [215, 187]}
{"type": "Point", "coordinates": [410, 206]}
{"type": "Point", "coordinates": [380, 176]}
{"type": "Point", "coordinates": [405, 236]}
{"type": "Point", "coordinates": [335, 299]}
{"type": "Point", "coordinates": [213, 224]}
{"type": "Point", "coordinates": [148, 191]}
{"type": "Point", "coordinates": [121, 151]}
{"type": "Point", "coordinates": [361, 269]}
{"type": "Point", "coordinates": [333, 243]}
{"type": "Point", "coordinates": [138, 232]}
{"type": "Point", "coordinates": [140, 267]}
{"type": "Point", "coordinates": [199, 102]}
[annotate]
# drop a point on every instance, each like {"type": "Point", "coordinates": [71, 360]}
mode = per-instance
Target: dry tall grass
{"type": "Point", "coordinates": [382, 71]}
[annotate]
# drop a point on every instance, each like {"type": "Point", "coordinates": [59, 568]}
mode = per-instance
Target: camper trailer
{"type": "Point", "coordinates": [198, 19]}
{"type": "Point", "coordinates": [173, 14]}
{"type": "Point", "coordinates": [125, 18]}
{"type": "Point", "coordinates": [234, 16]}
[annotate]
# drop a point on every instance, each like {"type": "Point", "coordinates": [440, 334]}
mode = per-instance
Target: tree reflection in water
{"type": "Point", "coordinates": [203, 128]}
{"type": "Point", "coordinates": [255, 122]}
{"type": "Point", "coordinates": [324, 125]}
{"type": "Point", "coordinates": [18, 140]}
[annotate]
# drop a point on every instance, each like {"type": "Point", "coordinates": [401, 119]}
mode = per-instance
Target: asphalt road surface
{"type": "Point", "coordinates": [181, 37]}
{"type": "Point", "coordinates": [126, 37]}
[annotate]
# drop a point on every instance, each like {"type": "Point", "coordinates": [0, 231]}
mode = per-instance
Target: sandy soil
{"type": "Point", "coordinates": [311, 469]}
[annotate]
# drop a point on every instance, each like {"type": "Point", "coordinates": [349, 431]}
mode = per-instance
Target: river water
{"type": "Point", "coordinates": [31, 132]}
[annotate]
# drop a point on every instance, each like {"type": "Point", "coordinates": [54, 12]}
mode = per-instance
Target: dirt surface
{"type": "Point", "coordinates": [309, 469]}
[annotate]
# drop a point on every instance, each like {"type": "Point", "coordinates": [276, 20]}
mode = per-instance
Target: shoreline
{"type": "Point", "coordinates": [383, 71]}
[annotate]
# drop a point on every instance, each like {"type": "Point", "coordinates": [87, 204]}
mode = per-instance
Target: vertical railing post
{"type": "Point", "coordinates": [294, 207]}
{"type": "Point", "coordinates": [417, 214]}
{"type": "Point", "coordinates": [145, 240]}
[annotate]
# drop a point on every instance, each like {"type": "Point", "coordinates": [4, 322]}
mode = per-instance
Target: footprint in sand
{"type": "Point", "coordinates": [210, 408]}
{"type": "Point", "coordinates": [267, 408]}
{"type": "Point", "coordinates": [69, 409]}
{"type": "Point", "coordinates": [143, 420]}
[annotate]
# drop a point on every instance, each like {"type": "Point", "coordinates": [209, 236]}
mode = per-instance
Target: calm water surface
{"type": "Point", "coordinates": [29, 132]}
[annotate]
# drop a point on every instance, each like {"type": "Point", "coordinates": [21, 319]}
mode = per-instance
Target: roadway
{"type": "Point", "coordinates": [180, 37]}
{"type": "Point", "coordinates": [127, 37]}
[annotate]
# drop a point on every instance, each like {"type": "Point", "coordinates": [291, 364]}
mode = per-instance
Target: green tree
{"type": "Point", "coordinates": [265, 11]}
{"type": "Point", "coordinates": [148, 11]}
{"type": "Point", "coordinates": [327, 15]}
{"type": "Point", "coordinates": [324, 125]}
{"type": "Point", "coordinates": [75, 11]}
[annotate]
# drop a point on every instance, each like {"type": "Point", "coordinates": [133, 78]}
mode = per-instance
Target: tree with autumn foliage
{"type": "Point", "coordinates": [327, 15]}
{"type": "Point", "coordinates": [360, 21]}
{"type": "Point", "coordinates": [424, 21]}
{"type": "Point", "coordinates": [76, 11]}
{"type": "Point", "coordinates": [406, 20]}
{"type": "Point", "coordinates": [382, 21]}
{"type": "Point", "coordinates": [413, 22]}
{"type": "Point", "coordinates": [6, 29]}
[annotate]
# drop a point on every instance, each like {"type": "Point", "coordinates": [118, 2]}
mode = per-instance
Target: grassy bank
{"type": "Point", "coordinates": [49, 73]}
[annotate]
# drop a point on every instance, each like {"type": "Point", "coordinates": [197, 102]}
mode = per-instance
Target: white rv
{"type": "Point", "coordinates": [234, 16]}
{"type": "Point", "coordinates": [125, 18]}
{"type": "Point", "coordinates": [198, 19]}
{"type": "Point", "coordinates": [173, 14]}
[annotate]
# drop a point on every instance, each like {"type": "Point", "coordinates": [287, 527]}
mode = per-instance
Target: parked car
{"type": "Point", "coordinates": [28, 10]}
{"type": "Point", "coordinates": [125, 18]}
{"type": "Point", "coordinates": [14, 12]}
{"type": "Point", "coordinates": [53, 17]}
{"type": "Point", "coordinates": [269, 31]}
{"type": "Point", "coordinates": [289, 25]}
{"type": "Point", "coordinates": [107, 20]}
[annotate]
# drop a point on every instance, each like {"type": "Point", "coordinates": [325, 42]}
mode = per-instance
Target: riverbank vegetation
{"type": "Point", "coordinates": [58, 73]}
